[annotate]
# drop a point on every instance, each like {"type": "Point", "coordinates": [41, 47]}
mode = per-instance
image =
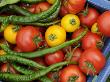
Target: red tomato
{"type": "Point", "coordinates": [104, 24]}
{"type": "Point", "coordinates": [91, 40]}
{"type": "Point", "coordinates": [77, 32]}
{"type": "Point", "coordinates": [54, 76]}
{"type": "Point", "coordinates": [71, 73]}
{"type": "Point", "coordinates": [32, 8]}
{"type": "Point", "coordinates": [92, 61]}
{"type": "Point", "coordinates": [74, 6]}
{"type": "Point", "coordinates": [40, 60]}
{"type": "Point", "coordinates": [76, 54]}
{"type": "Point", "coordinates": [43, 6]}
{"type": "Point", "coordinates": [54, 57]}
{"type": "Point", "coordinates": [63, 11]}
{"type": "Point", "coordinates": [40, 7]}
{"type": "Point", "coordinates": [4, 68]}
{"type": "Point", "coordinates": [89, 18]}
{"type": "Point", "coordinates": [28, 39]}
{"type": "Point", "coordinates": [17, 49]}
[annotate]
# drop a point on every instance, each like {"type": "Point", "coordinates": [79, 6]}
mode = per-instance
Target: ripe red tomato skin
{"type": "Point", "coordinates": [71, 70]}
{"type": "Point", "coordinates": [32, 8]}
{"type": "Point", "coordinates": [43, 6]}
{"type": "Point", "coordinates": [94, 56]}
{"type": "Point", "coordinates": [17, 49]}
{"type": "Point", "coordinates": [54, 57]}
{"type": "Point", "coordinates": [104, 24]}
{"type": "Point", "coordinates": [76, 55]}
{"type": "Point", "coordinates": [77, 32]}
{"type": "Point", "coordinates": [4, 68]}
{"type": "Point", "coordinates": [63, 11]}
{"type": "Point", "coordinates": [74, 6]}
{"type": "Point", "coordinates": [90, 40]}
{"type": "Point", "coordinates": [40, 60]}
{"type": "Point", "coordinates": [90, 18]}
{"type": "Point", "coordinates": [25, 36]}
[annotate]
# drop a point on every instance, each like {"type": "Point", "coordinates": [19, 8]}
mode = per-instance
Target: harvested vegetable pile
{"type": "Point", "coordinates": [53, 41]}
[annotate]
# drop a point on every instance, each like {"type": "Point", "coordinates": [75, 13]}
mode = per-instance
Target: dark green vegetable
{"type": "Point", "coordinates": [27, 13]}
{"type": "Point", "coordinates": [21, 60]}
{"type": "Point", "coordinates": [20, 10]}
{"type": "Point", "coordinates": [31, 1]}
{"type": "Point", "coordinates": [43, 24]}
{"type": "Point", "coordinates": [34, 17]}
{"type": "Point", "coordinates": [6, 2]}
{"type": "Point", "coordinates": [26, 71]}
{"type": "Point", "coordinates": [45, 51]}
{"type": "Point", "coordinates": [30, 77]}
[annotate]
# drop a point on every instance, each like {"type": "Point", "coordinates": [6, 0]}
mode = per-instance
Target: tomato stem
{"type": "Point", "coordinates": [90, 66]}
{"type": "Point", "coordinates": [37, 39]}
{"type": "Point", "coordinates": [73, 78]}
{"type": "Point", "coordinates": [52, 37]}
{"type": "Point", "coordinates": [16, 28]}
{"type": "Point", "coordinates": [72, 21]}
{"type": "Point", "coordinates": [100, 44]}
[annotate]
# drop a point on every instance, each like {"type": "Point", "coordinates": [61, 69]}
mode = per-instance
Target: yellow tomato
{"type": "Point", "coordinates": [51, 1]}
{"type": "Point", "coordinates": [10, 34]}
{"type": "Point", "coordinates": [94, 29]}
{"type": "Point", "coordinates": [70, 22]}
{"type": "Point", "coordinates": [55, 35]}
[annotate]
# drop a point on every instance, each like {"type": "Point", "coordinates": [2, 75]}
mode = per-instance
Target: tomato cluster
{"type": "Point", "coordinates": [74, 19]}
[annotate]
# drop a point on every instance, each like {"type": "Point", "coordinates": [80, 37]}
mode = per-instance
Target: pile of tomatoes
{"type": "Point", "coordinates": [75, 15]}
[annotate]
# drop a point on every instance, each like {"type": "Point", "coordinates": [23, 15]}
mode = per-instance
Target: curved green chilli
{"type": "Point", "coordinates": [42, 24]}
{"type": "Point", "coordinates": [34, 17]}
{"type": "Point", "coordinates": [44, 51]}
{"type": "Point", "coordinates": [21, 60]}
{"type": "Point", "coordinates": [31, 1]}
{"type": "Point", "coordinates": [51, 17]}
{"type": "Point", "coordinates": [26, 71]}
{"type": "Point", "coordinates": [30, 77]}
{"type": "Point", "coordinates": [20, 10]}
{"type": "Point", "coordinates": [6, 2]}
{"type": "Point", "coordinates": [27, 13]}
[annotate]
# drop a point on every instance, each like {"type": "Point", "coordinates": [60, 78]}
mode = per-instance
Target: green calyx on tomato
{"type": "Point", "coordinates": [85, 12]}
{"type": "Point", "coordinates": [52, 37]}
{"type": "Point", "coordinates": [16, 28]}
{"type": "Point", "coordinates": [37, 39]}
{"type": "Point", "coordinates": [72, 21]}
{"type": "Point", "coordinates": [73, 78]}
{"type": "Point", "coordinates": [90, 66]}
{"type": "Point", "coordinates": [100, 44]}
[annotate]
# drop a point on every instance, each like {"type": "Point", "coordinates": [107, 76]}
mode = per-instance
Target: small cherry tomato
{"type": "Point", "coordinates": [28, 38]}
{"type": "Point", "coordinates": [43, 6]}
{"type": "Point", "coordinates": [54, 57]}
{"type": "Point", "coordinates": [55, 35]}
{"type": "Point", "coordinates": [74, 6]}
{"type": "Point", "coordinates": [89, 17]}
{"type": "Point", "coordinates": [70, 22]}
{"type": "Point", "coordinates": [92, 61]}
{"type": "Point", "coordinates": [91, 40]}
{"type": "Point", "coordinates": [104, 24]}
{"type": "Point", "coordinates": [72, 73]}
